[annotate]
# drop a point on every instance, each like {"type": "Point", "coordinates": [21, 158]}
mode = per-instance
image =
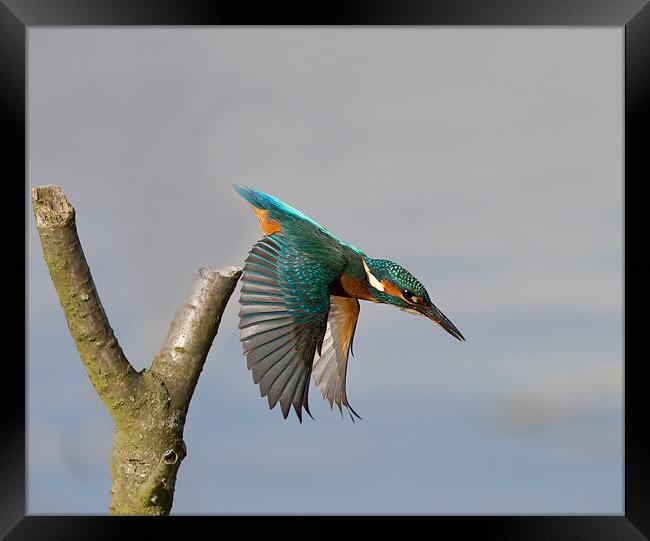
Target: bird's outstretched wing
{"type": "Point", "coordinates": [283, 317]}
{"type": "Point", "coordinates": [330, 367]}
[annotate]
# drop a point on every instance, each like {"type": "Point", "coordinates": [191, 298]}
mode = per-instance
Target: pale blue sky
{"type": "Point", "coordinates": [487, 161]}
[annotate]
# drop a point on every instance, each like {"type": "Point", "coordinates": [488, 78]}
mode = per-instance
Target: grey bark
{"type": "Point", "coordinates": [148, 407]}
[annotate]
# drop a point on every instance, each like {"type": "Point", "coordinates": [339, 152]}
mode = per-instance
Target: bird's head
{"type": "Point", "coordinates": [392, 284]}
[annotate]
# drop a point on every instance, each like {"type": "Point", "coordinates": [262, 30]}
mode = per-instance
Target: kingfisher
{"type": "Point", "coordinates": [299, 299]}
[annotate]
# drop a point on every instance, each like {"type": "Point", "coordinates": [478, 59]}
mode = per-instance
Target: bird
{"type": "Point", "coordinates": [300, 294]}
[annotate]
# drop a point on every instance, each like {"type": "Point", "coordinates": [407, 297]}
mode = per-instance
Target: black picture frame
{"type": "Point", "coordinates": [17, 16]}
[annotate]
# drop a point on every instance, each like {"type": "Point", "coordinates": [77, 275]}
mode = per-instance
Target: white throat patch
{"type": "Point", "coordinates": [371, 277]}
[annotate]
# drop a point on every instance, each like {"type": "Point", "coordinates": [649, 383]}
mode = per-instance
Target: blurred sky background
{"type": "Point", "coordinates": [487, 161]}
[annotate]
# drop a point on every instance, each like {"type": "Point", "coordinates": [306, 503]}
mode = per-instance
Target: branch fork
{"type": "Point", "coordinates": [148, 407]}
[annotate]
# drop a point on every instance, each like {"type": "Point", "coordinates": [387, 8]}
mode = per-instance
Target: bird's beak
{"type": "Point", "coordinates": [441, 319]}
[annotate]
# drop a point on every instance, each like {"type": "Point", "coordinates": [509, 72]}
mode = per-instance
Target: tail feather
{"type": "Point", "coordinates": [255, 198]}
{"type": "Point", "coordinates": [278, 210]}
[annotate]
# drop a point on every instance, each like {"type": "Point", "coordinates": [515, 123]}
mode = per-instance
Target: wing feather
{"type": "Point", "coordinates": [330, 367]}
{"type": "Point", "coordinates": [283, 315]}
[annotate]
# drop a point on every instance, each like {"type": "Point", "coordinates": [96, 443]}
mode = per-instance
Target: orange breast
{"type": "Point", "coordinates": [355, 288]}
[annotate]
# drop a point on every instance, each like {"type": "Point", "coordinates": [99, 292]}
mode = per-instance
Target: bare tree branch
{"type": "Point", "coordinates": [192, 331]}
{"type": "Point", "coordinates": [111, 374]}
{"type": "Point", "coordinates": [148, 407]}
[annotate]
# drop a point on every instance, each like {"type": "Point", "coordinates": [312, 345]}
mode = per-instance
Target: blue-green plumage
{"type": "Point", "coordinates": [299, 304]}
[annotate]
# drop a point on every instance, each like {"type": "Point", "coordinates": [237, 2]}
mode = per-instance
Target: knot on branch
{"type": "Point", "coordinates": [170, 456]}
{"type": "Point", "coordinates": [51, 208]}
{"type": "Point", "coordinates": [157, 491]}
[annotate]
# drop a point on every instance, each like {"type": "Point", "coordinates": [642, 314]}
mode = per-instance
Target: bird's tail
{"type": "Point", "coordinates": [256, 198]}
{"type": "Point", "coordinates": [276, 213]}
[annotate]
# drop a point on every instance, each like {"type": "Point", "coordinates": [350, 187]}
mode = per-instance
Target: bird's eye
{"type": "Point", "coordinates": [407, 294]}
